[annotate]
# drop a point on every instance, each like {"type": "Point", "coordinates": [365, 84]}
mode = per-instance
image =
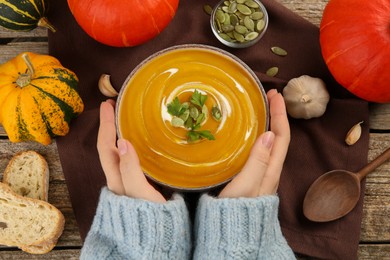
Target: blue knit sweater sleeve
{"type": "Point", "coordinates": [239, 228]}
{"type": "Point", "coordinates": [127, 228]}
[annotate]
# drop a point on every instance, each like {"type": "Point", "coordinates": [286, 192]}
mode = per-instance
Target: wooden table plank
{"type": "Point", "coordinates": [68, 254]}
{"type": "Point", "coordinates": [375, 232]}
{"type": "Point", "coordinates": [10, 50]}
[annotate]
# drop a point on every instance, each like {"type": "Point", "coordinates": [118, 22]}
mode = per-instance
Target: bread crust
{"type": "Point", "coordinates": [11, 202]}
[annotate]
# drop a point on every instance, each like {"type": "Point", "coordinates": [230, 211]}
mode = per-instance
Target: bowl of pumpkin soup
{"type": "Point", "coordinates": [192, 113]}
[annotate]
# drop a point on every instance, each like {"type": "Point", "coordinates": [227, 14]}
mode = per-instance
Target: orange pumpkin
{"type": "Point", "coordinates": [355, 44]}
{"type": "Point", "coordinates": [38, 98]}
{"type": "Point", "coordinates": [123, 23]}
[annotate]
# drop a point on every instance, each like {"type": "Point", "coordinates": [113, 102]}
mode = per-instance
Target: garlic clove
{"type": "Point", "coordinates": [105, 86]}
{"type": "Point", "coordinates": [354, 134]}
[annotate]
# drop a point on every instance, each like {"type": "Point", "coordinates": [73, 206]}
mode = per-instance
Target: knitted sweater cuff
{"type": "Point", "coordinates": [239, 228]}
{"type": "Point", "coordinates": [140, 228]}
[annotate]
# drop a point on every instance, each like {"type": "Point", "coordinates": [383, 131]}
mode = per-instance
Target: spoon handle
{"type": "Point", "coordinates": [374, 164]}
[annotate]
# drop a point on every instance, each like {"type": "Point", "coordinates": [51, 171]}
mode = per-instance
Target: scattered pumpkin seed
{"type": "Point", "coordinates": [271, 72]}
{"type": "Point", "coordinates": [208, 9]}
{"type": "Point", "coordinates": [279, 51]}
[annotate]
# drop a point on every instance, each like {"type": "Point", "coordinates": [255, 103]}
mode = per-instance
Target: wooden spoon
{"type": "Point", "coordinates": [335, 194]}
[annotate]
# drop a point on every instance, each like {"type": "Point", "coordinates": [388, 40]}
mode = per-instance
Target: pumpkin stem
{"type": "Point", "coordinates": [25, 78]}
{"type": "Point", "coordinates": [43, 22]}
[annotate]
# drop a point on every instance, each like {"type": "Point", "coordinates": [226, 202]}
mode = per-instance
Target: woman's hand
{"type": "Point", "coordinates": [261, 173]}
{"type": "Point", "coordinates": [120, 163]}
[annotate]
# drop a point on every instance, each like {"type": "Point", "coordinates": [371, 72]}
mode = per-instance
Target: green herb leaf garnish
{"type": "Point", "coordinates": [175, 108]}
{"type": "Point", "coordinates": [198, 99]}
{"type": "Point", "coordinates": [191, 115]}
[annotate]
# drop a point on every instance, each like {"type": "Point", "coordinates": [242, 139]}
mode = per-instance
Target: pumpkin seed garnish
{"type": "Point", "coordinates": [279, 51]}
{"type": "Point", "coordinates": [191, 115]}
{"type": "Point", "coordinates": [271, 72]}
{"type": "Point", "coordinates": [177, 121]}
{"type": "Point", "coordinates": [216, 113]}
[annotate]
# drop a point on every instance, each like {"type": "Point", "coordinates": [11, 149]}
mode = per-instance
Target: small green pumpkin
{"type": "Point", "coordinates": [38, 98]}
{"type": "Point", "coordinates": [24, 15]}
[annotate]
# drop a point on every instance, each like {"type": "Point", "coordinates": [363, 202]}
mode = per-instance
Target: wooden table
{"type": "Point", "coordinates": [375, 232]}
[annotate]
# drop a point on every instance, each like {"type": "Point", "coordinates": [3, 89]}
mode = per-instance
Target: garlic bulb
{"type": "Point", "coordinates": [306, 97]}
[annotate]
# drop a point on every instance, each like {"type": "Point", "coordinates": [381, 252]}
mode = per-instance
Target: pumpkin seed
{"type": "Point", "coordinates": [239, 37]}
{"type": "Point", "coordinates": [244, 9]}
{"type": "Point", "coordinates": [216, 113]}
{"type": "Point", "coordinates": [257, 15]}
{"type": "Point", "coordinates": [233, 19]}
{"type": "Point", "coordinates": [177, 121]}
{"type": "Point", "coordinates": [208, 9]}
{"type": "Point", "coordinates": [227, 19]}
{"type": "Point", "coordinates": [279, 51]}
{"type": "Point", "coordinates": [251, 36]}
{"type": "Point", "coordinates": [232, 7]}
{"type": "Point", "coordinates": [185, 115]}
{"type": "Point", "coordinates": [249, 23]}
{"type": "Point", "coordinates": [252, 4]}
{"type": "Point", "coordinates": [225, 9]}
{"type": "Point", "coordinates": [225, 37]}
{"type": "Point", "coordinates": [240, 29]}
{"type": "Point", "coordinates": [227, 3]}
{"type": "Point", "coordinates": [220, 15]}
{"type": "Point", "coordinates": [271, 72]}
{"type": "Point", "coordinates": [227, 28]}
{"type": "Point", "coordinates": [240, 1]}
{"type": "Point", "coordinates": [260, 25]}
{"type": "Point", "coordinates": [194, 112]}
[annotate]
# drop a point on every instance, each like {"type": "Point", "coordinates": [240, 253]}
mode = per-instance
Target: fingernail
{"type": "Point", "coordinates": [122, 146]}
{"type": "Point", "coordinates": [267, 139]}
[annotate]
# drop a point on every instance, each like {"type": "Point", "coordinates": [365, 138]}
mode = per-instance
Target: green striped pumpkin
{"type": "Point", "coordinates": [38, 98]}
{"type": "Point", "coordinates": [24, 15]}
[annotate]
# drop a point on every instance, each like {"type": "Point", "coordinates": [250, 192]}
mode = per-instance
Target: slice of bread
{"type": "Point", "coordinates": [30, 224]}
{"type": "Point", "coordinates": [28, 175]}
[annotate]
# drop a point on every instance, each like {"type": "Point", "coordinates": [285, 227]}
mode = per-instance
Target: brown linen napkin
{"type": "Point", "coordinates": [317, 145]}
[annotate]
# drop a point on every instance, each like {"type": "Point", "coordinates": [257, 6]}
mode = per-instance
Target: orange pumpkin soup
{"type": "Point", "coordinates": [165, 154]}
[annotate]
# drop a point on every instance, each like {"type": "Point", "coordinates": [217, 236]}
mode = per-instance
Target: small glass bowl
{"type": "Point", "coordinates": [216, 26]}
